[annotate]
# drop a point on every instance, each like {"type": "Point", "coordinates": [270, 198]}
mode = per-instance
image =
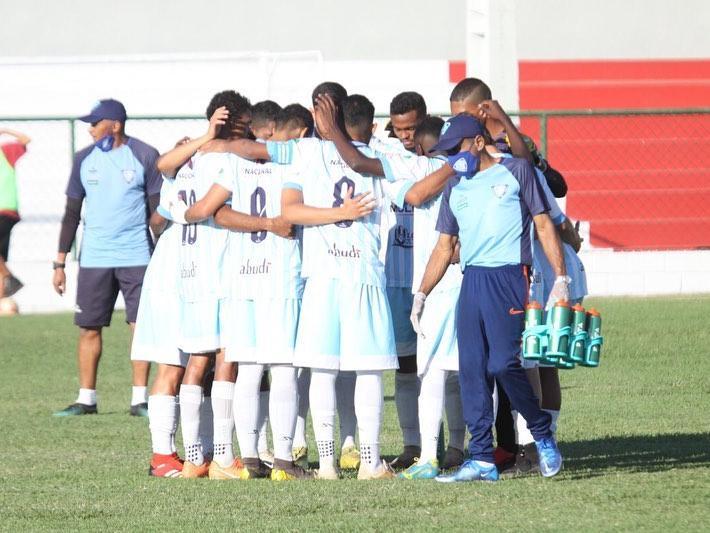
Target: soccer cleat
{"type": "Point", "coordinates": [140, 409]}
{"type": "Point", "coordinates": [300, 456]}
{"type": "Point", "coordinates": [77, 409]}
{"type": "Point", "coordinates": [407, 458]}
{"type": "Point", "coordinates": [453, 458]}
{"type": "Point", "coordinates": [233, 471]}
{"type": "Point", "coordinates": [289, 471]}
{"type": "Point", "coordinates": [384, 471]}
{"type": "Point", "coordinates": [165, 465]}
{"type": "Point", "coordinates": [254, 468]}
{"type": "Point", "coordinates": [526, 462]}
{"type": "Point", "coordinates": [11, 285]}
{"type": "Point", "coordinates": [471, 471]}
{"type": "Point", "coordinates": [503, 459]}
{"type": "Point", "coordinates": [550, 457]}
{"type": "Point", "coordinates": [329, 473]}
{"type": "Point", "coordinates": [267, 457]}
{"type": "Point", "coordinates": [349, 458]}
{"type": "Point", "coordinates": [421, 470]}
{"type": "Point", "coordinates": [193, 471]}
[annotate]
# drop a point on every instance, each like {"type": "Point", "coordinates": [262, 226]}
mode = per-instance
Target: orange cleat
{"type": "Point", "coordinates": [191, 470]}
{"type": "Point", "coordinates": [165, 465]}
{"type": "Point", "coordinates": [234, 471]}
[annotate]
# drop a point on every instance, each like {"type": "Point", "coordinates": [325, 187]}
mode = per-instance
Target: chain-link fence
{"type": "Point", "coordinates": [637, 179]}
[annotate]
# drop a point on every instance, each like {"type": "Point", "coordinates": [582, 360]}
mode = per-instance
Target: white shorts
{"type": "Point", "coordinates": [345, 326]}
{"type": "Point", "coordinates": [259, 331]}
{"type": "Point", "coordinates": [199, 326]}
{"type": "Point", "coordinates": [439, 348]}
{"type": "Point", "coordinates": [543, 277]}
{"type": "Point", "coordinates": [400, 300]}
{"type": "Point", "coordinates": [157, 329]}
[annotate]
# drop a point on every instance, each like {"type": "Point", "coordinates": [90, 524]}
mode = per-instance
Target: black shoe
{"type": "Point", "coordinates": [256, 468]}
{"type": "Point", "coordinates": [526, 462]}
{"type": "Point", "coordinates": [140, 409]}
{"type": "Point", "coordinates": [11, 286]}
{"type": "Point", "coordinates": [77, 409]}
{"type": "Point", "coordinates": [453, 458]}
{"type": "Point", "coordinates": [407, 458]}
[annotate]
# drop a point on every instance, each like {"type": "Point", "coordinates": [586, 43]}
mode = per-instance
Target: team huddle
{"type": "Point", "coordinates": [300, 243]}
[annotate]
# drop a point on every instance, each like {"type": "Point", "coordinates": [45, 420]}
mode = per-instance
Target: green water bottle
{"type": "Point", "coordinates": [559, 331]}
{"type": "Point", "coordinates": [578, 345]}
{"type": "Point", "coordinates": [532, 348]}
{"type": "Point", "coordinates": [594, 330]}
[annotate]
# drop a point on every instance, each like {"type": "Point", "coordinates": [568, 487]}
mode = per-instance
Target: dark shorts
{"type": "Point", "coordinates": [97, 290]}
{"type": "Point", "coordinates": [6, 224]}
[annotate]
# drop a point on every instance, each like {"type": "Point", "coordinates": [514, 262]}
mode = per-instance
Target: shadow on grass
{"type": "Point", "coordinates": [641, 453]}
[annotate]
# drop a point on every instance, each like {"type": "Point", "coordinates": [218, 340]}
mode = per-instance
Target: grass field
{"type": "Point", "coordinates": [635, 434]}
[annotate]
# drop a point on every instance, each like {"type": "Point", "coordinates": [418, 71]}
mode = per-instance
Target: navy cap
{"type": "Point", "coordinates": [456, 129]}
{"type": "Point", "coordinates": [106, 109]}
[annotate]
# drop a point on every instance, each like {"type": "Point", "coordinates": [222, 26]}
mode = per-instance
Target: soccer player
{"type": "Point", "coordinates": [490, 205]}
{"type": "Point", "coordinates": [115, 178]}
{"type": "Point", "coordinates": [407, 111]}
{"type": "Point", "coordinates": [263, 119]}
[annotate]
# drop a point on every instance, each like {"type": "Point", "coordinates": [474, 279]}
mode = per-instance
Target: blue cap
{"type": "Point", "coordinates": [456, 129]}
{"type": "Point", "coordinates": [106, 109]}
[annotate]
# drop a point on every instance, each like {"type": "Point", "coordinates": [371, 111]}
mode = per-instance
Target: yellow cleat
{"type": "Point", "coordinates": [384, 471]}
{"type": "Point", "coordinates": [192, 471]}
{"type": "Point", "coordinates": [233, 471]}
{"type": "Point", "coordinates": [349, 458]}
{"type": "Point", "coordinates": [300, 456]}
{"type": "Point", "coordinates": [290, 472]}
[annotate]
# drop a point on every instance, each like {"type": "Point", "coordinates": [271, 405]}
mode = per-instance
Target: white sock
{"type": "Point", "coordinates": [345, 394]}
{"type": "Point", "coordinates": [207, 426]}
{"type": "Point", "coordinates": [431, 407]}
{"type": "Point", "coordinates": [246, 408]}
{"type": "Point", "coordinates": [222, 400]}
{"type": "Point", "coordinates": [406, 394]}
{"type": "Point", "coordinates": [484, 464]}
{"type": "Point", "coordinates": [304, 383]}
{"type": "Point", "coordinates": [86, 396]}
{"type": "Point", "coordinates": [555, 414]}
{"type": "Point", "coordinates": [454, 411]}
{"type": "Point", "coordinates": [175, 424]}
{"type": "Point", "coordinates": [263, 444]}
{"type": "Point", "coordinates": [139, 395]}
{"type": "Point", "coordinates": [322, 400]}
{"type": "Point", "coordinates": [162, 417]}
{"type": "Point", "coordinates": [190, 402]}
{"type": "Point", "coordinates": [369, 404]}
{"type": "Point", "coordinates": [523, 435]}
{"type": "Point", "coordinates": [283, 406]}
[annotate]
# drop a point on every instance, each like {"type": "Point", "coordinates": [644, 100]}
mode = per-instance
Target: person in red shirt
{"type": "Point", "coordinates": [9, 216]}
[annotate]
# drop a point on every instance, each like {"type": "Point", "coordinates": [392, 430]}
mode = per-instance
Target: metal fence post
{"type": "Point", "coordinates": [543, 134]}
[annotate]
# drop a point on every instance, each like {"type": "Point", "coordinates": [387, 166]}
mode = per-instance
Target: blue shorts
{"type": "Point", "coordinates": [97, 290]}
{"type": "Point", "coordinates": [345, 326]}
{"type": "Point", "coordinates": [400, 300]}
{"type": "Point", "coordinates": [438, 348]}
{"type": "Point", "coordinates": [157, 329]}
{"type": "Point", "coordinates": [259, 331]}
{"type": "Point", "coordinates": [199, 326]}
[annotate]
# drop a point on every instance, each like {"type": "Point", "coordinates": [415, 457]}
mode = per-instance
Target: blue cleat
{"type": "Point", "coordinates": [549, 456]}
{"type": "Point", "coordinates": [419, 470]}
{"type": "Point", "coordinates": [471, 471]}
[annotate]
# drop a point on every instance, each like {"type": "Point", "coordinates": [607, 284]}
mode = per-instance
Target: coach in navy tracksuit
{"type": "Point", "coordinates": [488, 208]}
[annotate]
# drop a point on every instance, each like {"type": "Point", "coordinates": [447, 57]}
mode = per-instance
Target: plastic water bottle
{"type": "Point", "coordinates": [594, 330]}
{"type": "Point", "coordinates": [579, 334]}
{"type": "Point", "coordinates": [559, 331]}
{"type": "Point", "coordinates": [533, 317]}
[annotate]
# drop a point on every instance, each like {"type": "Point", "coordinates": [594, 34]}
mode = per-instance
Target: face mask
{"type": "Point", "coordinates": [465, 164]}
{"type": "Point", "coordinates": [105, 144]}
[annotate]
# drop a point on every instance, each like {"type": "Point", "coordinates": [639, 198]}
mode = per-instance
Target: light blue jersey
{"type": "Point", "coordinates": [261, 264]}
{"type": "Point", "coordinates": [202, 245]}
{"type": "Point", "coordinates": [347, 250]}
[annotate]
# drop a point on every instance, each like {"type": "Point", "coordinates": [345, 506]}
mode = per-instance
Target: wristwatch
{"type": "Point", "coordinates": [56, 265]}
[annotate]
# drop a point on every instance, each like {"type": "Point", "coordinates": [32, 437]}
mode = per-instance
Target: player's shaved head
{"type": "Point", "coordinates": [266, 111]}
{"type": "Point", "coordinates": [427, 134]}
{"type": "Point", "coordinates": [295, 118]}
{"type": "Point", "coordinates": [332, 88]}
{"type": "Point", "coordinates": [470, 89]}
{"type": "Point", "coordinates": [359, 114]}
{"type": "Point", "coordinates": [239, 109]}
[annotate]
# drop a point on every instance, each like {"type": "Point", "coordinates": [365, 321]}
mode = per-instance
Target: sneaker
{"type": "Point", "coordinates": [420, 470]}
{"type": "Point", "coordinates": [165, 465]}
{"type": "Point", "coordinates": [407, 458]}
{"type": "Point", "coordinates": [329, 473]}
{"type": "Point", "coordinates": [233, 471]}
{"type": "Point", "coordinates": [384, 471]}
{"type": "Point", "coordinates": [11, 286]}
{"type": "Point", "coordinates": [550, 457]}
{"type": "Point", "coordinates": [289, 471]}
{"type": "Point", "coordinates": [300, 456]}
{"type": "Point", "coordinates": [193, 471]}
{"type": "Point", "coordinates": [140, 409]}
{"type": "Point", "coordinates": [526, 462]}
{"type": "Point", "coordinates": [453, 458]}
{"type": "Point", "coordinates": [254, 468]}
{"type": "Point", "coordinates": [503, 458]}
{"type": "Point", "coordinates": [471, 471]}
{"type": "Point", "coordinates": [77, 409]}
{"type": "Point", "coordinates": [349, 458]}
{"type": "Point", "coordinates": [267, 457]}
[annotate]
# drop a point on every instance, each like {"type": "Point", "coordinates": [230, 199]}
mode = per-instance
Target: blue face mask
{"type": "Point", "coordinates": [465, 164]}
{"type": "Point", "coordinates": [105, 143]}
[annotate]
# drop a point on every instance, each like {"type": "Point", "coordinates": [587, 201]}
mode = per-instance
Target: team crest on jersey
{"type": "Point", "coordinates": [129, 175]}
{"type": "Point", "coordinates": [499, 190]}
{"type": "Point", "coordinates": [460, 165]}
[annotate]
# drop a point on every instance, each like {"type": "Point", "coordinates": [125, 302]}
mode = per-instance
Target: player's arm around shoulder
{"type": "Point", "coordinates": [294, 210]}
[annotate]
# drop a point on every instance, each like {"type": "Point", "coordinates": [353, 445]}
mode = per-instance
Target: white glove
{"type": "Point", "coordinates": [417, 310]}
{"type": "Point", "coordinates": [560, 291]}
{"type": "Point", "coordinates": [177, 212]}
